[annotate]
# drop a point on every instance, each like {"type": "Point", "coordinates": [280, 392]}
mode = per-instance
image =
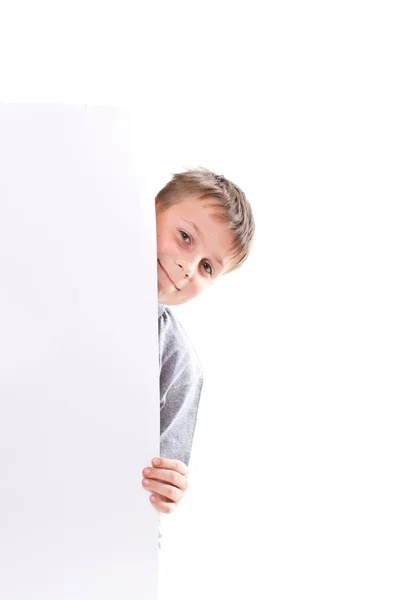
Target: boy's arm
{"type": "Point", "coordinates": [167, 478]}
{"type": "Point", "coordinates": [178, 414]}
{"type": "Point", "coordinates": [181, 381]}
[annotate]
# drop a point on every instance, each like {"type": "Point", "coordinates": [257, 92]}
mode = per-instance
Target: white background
{"type": "Point", "coordinates": [295, 473]}
{"type": "Point", "coordinates": [79, 413]}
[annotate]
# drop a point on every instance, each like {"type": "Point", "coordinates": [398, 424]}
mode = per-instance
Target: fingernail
{"type": "Point", "coordinates": [156, 461]}
{"type": "Point", "coordinates": [146, 471]}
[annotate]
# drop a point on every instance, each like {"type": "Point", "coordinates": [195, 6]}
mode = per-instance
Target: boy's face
{"type": "Point", "coordinates": [193, 249]}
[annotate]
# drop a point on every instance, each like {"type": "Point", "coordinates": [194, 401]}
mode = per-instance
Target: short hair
{"type": "Point", "coordinates": [230, 201]}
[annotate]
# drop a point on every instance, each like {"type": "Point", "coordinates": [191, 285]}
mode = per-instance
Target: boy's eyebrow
{"type": "Point", "coordinates": [199, 233]}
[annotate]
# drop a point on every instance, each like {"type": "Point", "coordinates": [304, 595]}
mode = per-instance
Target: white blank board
{"type": "Point", "coordinates": [79, 404]}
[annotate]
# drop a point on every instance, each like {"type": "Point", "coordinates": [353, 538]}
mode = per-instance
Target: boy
{"type": "Point", "coordinates": [205, 228]}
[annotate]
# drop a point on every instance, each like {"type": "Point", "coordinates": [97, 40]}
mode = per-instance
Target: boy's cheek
{"type": "Point", "coordinates": [192, 291]}
{"type": "Point", "coordinates": [165, 248]}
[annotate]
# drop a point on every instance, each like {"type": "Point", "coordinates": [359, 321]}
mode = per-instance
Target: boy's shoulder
{"type": "Point", "coordinates": [174, 344]}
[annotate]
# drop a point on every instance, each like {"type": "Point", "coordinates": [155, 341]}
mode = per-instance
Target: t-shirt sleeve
{"type": "Point", "coordinates": [181, 381]}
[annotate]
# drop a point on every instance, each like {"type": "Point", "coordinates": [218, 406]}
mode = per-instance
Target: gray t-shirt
{"type": "Point", "coordinates": [181, 381]}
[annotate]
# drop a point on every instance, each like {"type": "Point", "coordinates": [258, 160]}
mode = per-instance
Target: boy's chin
{"type": "Point", "coordinates": [171, 299]}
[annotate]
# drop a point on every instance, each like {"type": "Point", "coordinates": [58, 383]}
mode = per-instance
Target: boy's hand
{"type": "Point", "coordinates": [168, 479]}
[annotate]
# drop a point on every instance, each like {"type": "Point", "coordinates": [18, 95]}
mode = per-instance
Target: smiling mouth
{"type": "Point", "coordinates": [173, 283]}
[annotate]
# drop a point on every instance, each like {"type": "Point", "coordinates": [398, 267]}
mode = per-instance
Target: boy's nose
{"type": "Point", "coordinates": [187, 268]}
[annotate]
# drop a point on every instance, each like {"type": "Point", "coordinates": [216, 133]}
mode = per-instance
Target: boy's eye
{"type": "Point", "coordinates": [185, 236]}
{"type": "Point", "coordinates": [207, 267]}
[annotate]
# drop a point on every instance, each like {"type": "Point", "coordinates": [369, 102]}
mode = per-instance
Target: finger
{"type": "Point", "coordinates": [172, 464]}
{"type": "Point", "coordinates": [162, 505]}
{"type": "Point", "coordinates": [168, 491]}
{"type": "Point", "coordinates": [166, 475]}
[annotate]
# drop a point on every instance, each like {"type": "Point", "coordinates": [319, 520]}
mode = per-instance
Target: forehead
{"type": "Point", "coordinates": [201, 208]}
{"type": "Point", "coordinates": [204, 212]}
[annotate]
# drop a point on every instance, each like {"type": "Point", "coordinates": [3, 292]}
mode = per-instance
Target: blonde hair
{"type": "Point", "coordinates": [231, 202]}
